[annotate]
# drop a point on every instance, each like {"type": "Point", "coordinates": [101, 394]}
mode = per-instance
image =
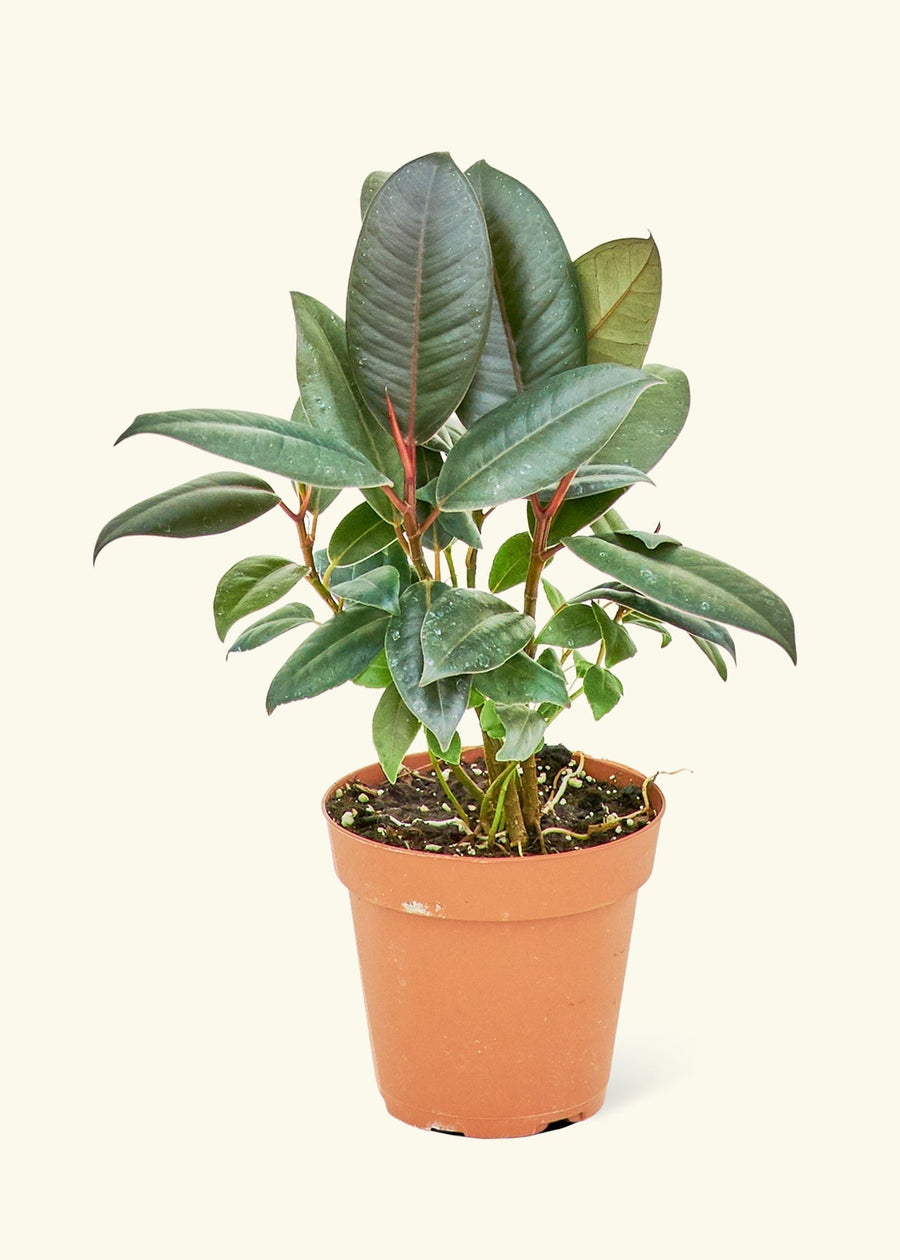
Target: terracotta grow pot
{"type": "Point", "coordinates": [492, 985]}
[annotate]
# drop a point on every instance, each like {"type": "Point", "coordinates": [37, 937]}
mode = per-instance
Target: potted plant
{"type": "Point", "coordinates": [493, 888]}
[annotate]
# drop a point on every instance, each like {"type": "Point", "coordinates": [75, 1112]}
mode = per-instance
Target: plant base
{"type": "Point", "coordinates": [493, 986]}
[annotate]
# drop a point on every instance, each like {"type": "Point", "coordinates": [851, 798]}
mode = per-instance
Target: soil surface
{"type": "Point", "coordinates": [417, 813]}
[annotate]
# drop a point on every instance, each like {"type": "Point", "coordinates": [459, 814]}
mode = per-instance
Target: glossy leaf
{"type": "Point", "coordinates": [419, 297]}
{"type": "Point", "coordinates": [329, 401]}
{"type": "Point", "coordinates": [333, 654]}
{"type": "Point", "coordinates": [554, 595]}
{"type": "Point", "coordinates": [468, 632]}
{"type": "Point", "coordinates": [700, 627]}
{"type": "Point", "coordinates": [277, 446]}
{"type": "Point", "coordinates": [252, 584]}
{"type": "Point", "coordinates": [712, 653]}
{"type": "Point", "coordinates": [602, 690]}
{"type": "Point", "coordinates": [440, 705]}
{"type": "Point", "coordinates": [573, 625]}
{"type": "Point", "coordinates": [379, 588]}
{"type": "Point", "coordinates": [276, 623]}
{"type": "Point", "coordinates": [520, 680]}
{"type": "Point", "coordinates": [595, 479]}
{"type": "Point", "coordinates": [693, 582]}
{"type": "Point", "coordinates": [362, 533]}
{"type": "Point", "coordinates": [650, 623]}
{"type": "Point", "coordinates": [510, 566]}
{"type": "Point", "coordinates": [208, 505]}
{"type": "Point", "coordinates": [537, 325]}
{"type": "Point", "coordinates": [393, 730]}
{"type": "Point", "coordinates": [621, 283]}
{"type": "Point", "coordinates": [524, 729]}
{"type": "Point", "coordinates": [641, 440]}
{"type": "Point", "coordinates": [538, 437]}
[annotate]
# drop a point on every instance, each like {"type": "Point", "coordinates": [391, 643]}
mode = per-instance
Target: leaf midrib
{"type": "Point", "coordinates": [621, 298]}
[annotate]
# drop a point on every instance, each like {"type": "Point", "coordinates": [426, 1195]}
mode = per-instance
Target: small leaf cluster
{"type": "Point", "coordinates": [479, 365]}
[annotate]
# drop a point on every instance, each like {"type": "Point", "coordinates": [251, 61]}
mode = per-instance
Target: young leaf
{"type": "Point", "coordinates": [693, 582]}
{"type": "Point", "coordinates": [538, 437]}
{"type": "Point", "coordinates": [468, 632]}
{"type": "Point", "coordinates": [573, 625]}
{"type": "Point", "coordinates": [649, 623]}
{"type": "Point", "coordinates": [252, 584]}
{"type": "Point", "coordinates": [554, 595]}
{"type": "Point", "coordinates": [362, 533]}
{"type": "Point", "coordinates": [490, 721]}
{"type": "Point", "coordinates": [621, 283]}
{"type": "Point", "coordinates": [594, 478]}
{"type": "Point", "coordinates": [440, 705]}
{"type": "Point", "coordinates": [393, 730]}
{"type": "Point", "coordinates": [602, 690]}
{"type": "Point", "coordinates": [276, 623]}
{"type": "Point", "coordinates": [524, 729]}
{"type": "Point", "coordinates": [537, 324]}
{"type": "Point", "coordinates": [521, 680]}
{"type": "Point", "coordinates": [379, 588]}
{"type": "Point", "coordinates": [333, 654]}
{"type": "Point", "coordinates": [617, 642]}
{"type": "Point", "coordinates": [511, 562]}
{"type": "Point", "coordinates": [419, 297]}
{"type": "Point", "coordinates": [208, 505]}
{"type": "Point", "coordinates": [276, 446]}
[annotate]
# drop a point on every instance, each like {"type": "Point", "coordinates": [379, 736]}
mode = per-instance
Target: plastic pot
{"type": "Point", "coordinates": [493, 985]}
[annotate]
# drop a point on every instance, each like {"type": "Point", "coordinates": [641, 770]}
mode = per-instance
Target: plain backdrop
{"type": "Point", "coordinates": [185, 1067]}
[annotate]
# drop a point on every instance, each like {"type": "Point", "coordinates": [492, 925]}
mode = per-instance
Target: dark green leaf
{"type": "Point", "coordinates": [252, 584]}
{"type": "Point", "coordinates": [328, 400]}
{"type": "Point", "coordinates": [379, 588]}
{"type": "Point", "coordinates": [621, 283]}
{"type": "Point", "coordinates": [511, 563]}
{"type": "Point", "coordinates": [595, 479]}
{"type": "Point", "coordinates": [440, 705]}
{"type": "Point", "coordinates": [617, 642]}
{"type": "Point", "coordinates": [712, 652]}
{"type": "Point", "coordinates": [521, 680]}
{"type": "Point", "coordinates": [393, 730]}
{"type": "Point", "coordinates": [538, 437]}
{"type": "Point", "coordinates": [419, 297]}
{"type": "Point", "coordinates": [650, 541]}
{"type": "Point", "coordinates": [537, 326]}
{"type": "Point", "coordinates": [524, 729]}
{"type": "Point", "coordinates": [573, 625]}
{"type": "Point", "coordinates": [468, 632]}
{"type": "Point", "coordinates": [692, 582]}
{"type": "Point", "coordinates": [490, 721]}
{"type": "Point", "coordinates": [602, 690]}
{"type": "Point", "coordinates": [288, 617]}
{"type": "Point", "coordinates": [333, 654]}
{"type": "Point", "coordinates": [362, 533]}
{"type": "Point", "coordinates": [277, 446]}
{"type": "Point", "coordinates": [207, 505]}
{"type": "Point", "coordinates": [652, 608]}
{"type": "Point", "coordinates": [641, 440]}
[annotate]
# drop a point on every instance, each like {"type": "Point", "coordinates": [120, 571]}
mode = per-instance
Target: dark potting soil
{"type": "Point", "coordinates": [416, 813]}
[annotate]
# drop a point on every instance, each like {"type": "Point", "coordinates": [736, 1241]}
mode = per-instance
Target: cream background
{"type": "Point", "coordinates": [185, 1067]}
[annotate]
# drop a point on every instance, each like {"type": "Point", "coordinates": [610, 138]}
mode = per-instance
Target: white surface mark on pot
{"type": "Point", "coordinates": [422, 907]}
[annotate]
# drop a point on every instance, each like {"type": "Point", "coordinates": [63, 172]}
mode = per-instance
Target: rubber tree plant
{"type": "Point", "coordinates": [478, 366]}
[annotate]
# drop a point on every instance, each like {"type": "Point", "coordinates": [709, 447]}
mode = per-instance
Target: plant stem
{"type": "Point", "coordinates": [466, 779]}
{"type": "Point", "coordinates": [515, 825]}
{"type": "Point", "coordinates": [448, 791]}
{"type": "Point", "coordinates": [451, 567]}
{"type": "Point", "coordinates": [307, 542]}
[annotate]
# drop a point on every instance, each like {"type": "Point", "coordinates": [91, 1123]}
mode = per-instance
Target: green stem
{"type": "Point", "coordinates": [448, 791]}
{"type": "Point", "coordinates": [459, 773]}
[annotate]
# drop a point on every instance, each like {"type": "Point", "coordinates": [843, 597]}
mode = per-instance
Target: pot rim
{"type": "Point", "coordinates": [457, 858]}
